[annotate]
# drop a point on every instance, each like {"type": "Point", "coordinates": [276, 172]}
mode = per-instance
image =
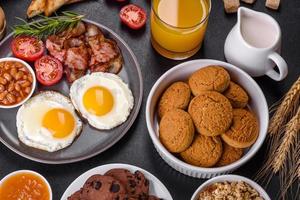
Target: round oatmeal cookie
{"type": "Point", "coordinates": [236, 95]}
{"type": "Point", "coordinates": [102, 188]}
{"type": "Point", "coordinates": [136, 184]}
{"type": "Point", "coordinates": [229, 155]}
{"type": "Point", "coordinates": [211, 113]}
{"type": "Point", "coordinates": [243, 131]}
{"type": "Point", "coordinates": [210, 78]}
{"type": "Point", "coordinates": [176, 130]}
{"type": "Point", "coordinates": [204, 152]}
{"type": "Point", "coordinates": [177, 95]}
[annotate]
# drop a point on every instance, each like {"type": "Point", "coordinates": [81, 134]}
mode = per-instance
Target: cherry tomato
{"type": "Point", "coordinates": [133, 16]}
{"type": "Point", "coordinates": [49, 70]}
{"type": "Point", "coordinates": [27, 48]}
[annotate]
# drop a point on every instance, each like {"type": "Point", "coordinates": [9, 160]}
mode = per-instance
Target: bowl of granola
{"type": "Point", "coordinates": [230, 187]}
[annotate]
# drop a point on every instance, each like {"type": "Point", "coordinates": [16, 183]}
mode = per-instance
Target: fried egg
{"type": "Point", "coordinates": [103, 99]}
{"type": "Point", "coordinates": [48, 121]}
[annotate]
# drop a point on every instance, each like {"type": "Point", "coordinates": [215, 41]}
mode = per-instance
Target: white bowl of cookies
{"type": "Point", "coordinates": [230, 187]}
{"type": "Point", "coordinates": [206, 117]}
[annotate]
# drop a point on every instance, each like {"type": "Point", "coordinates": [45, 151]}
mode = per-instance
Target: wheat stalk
{"type": "Point", "coordinates": [286, 109]}
{"type": "Point", "coordinates": [291, 131]}
{"type": "Point", "coordinates": [276, 130]}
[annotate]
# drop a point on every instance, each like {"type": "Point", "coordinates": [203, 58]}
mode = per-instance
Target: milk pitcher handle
{"type": "Point", "coordinates": [282, 66]}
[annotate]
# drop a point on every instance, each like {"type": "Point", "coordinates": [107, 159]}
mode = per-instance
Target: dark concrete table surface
{"type": "Point", "coordinates": [136, 147]}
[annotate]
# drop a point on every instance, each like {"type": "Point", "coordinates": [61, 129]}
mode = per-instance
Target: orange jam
{"type": "Point", "coordinates": [24, 186]}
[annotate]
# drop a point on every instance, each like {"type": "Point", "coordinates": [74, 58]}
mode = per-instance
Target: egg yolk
{"type": "Point", "coordinates": [98, 100]}
{"type": "Point", "coordinates": [59, 122]}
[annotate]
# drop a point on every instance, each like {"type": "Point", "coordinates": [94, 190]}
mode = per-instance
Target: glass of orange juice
{"type": "Point", "coordinates": [178, 26]}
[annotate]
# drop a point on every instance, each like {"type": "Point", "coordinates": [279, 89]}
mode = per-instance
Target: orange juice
{"type": "Point", "coordinates": [178, 26]}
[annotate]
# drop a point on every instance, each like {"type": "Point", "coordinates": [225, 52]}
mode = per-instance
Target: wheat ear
{"type": "Point", "coordinates": [289, 138]}
{"type": "Point", "coordinates": [285, 109]}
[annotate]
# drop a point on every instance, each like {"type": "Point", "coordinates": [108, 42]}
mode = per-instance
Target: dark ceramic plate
{"type": "Point", "coordinates": [91, 141]}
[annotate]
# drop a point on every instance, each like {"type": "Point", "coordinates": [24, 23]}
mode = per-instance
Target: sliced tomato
{"type": "Point", "coordinates": [133, 16]}
{"type": "Point", "coordinates": [27, 48]}
{"type": "Point", "coordinates": [49, 70]}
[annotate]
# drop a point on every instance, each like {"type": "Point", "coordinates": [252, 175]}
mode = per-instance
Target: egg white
{"type": "Point", "coordinates": [123, 99]}
{"type": "Point", "coordinates": [30, 116]}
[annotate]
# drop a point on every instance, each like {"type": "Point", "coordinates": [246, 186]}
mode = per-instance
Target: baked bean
{"type": "Point", "coordinates": [5, 101]}
{"type": "Point", "coordinates": [19, 75]}
{"type": "Point", "coordinates": [27, 90]}
{"type": "Point", "coordinates": [13, 72]}
{"type": "Point", "coordinates": [7, 76]}
{"type": "Point", "coordinates": [11, 98]}
{"type": "Point", "coordinates": [15, 82]}
{"type": "Point", "coordinates": [25, 84]}
{"type": "Point", "coordinates": [11, 87]}
{"type": "Point", "coordinates": [18, 65]}
{"type": "Point", "coordinates": [30, 78]}
{"type": "Point", "coordinates": [17, 87]}
{"type": "Point", "coordinates": [7, 66]}
{"type": "Point", "coordinates": [3, 81]}
{"type": "Point", "coordinates": [3, 95]}
{"type": "Point", "coordinates": [2, 88]}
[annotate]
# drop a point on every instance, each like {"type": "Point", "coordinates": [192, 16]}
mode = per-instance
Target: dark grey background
{"type": "Point", "coordinates": [136, 147]}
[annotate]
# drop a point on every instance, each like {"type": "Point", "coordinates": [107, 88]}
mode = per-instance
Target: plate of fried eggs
{"type": "Point", "coordinates": [67, 122]}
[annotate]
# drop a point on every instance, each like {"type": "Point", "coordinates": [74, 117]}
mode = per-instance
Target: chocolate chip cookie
{"type": "Point", "coordinates": [210, 78]}
{"type": "Point", "coordinates": [102, 188]}
{"type": "Point", "coordinates": [136, 184]}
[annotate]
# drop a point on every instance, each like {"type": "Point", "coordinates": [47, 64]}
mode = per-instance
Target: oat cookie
{"type": "Point", "coordinates": [178, 95]}
{"type": "Point", "coordinates": [211, 113]}
{"type": "Point", "coordinates": [176, 130]}
{"type": "Point", "coordinates": [236, 95]}
{"type": "Point", "coordinates": [211, 78]}
{"type": "Point", "coordinates": [243, 131]}
{"type": "Point", "coordinates": [204, 152]}
{"type": "Point", "coordinates": [229, 155]}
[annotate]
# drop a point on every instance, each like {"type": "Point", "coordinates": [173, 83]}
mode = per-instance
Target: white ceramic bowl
{"type": "Point", "coordinates": [30, 172]}
{"type": "Point", "coordinates": [181, 72]}
{"type": "Point", "coordinates": [33, 80]}
{"type": "Point", "coordinates": [231, 178]}
{"type": "Point", "coordinates": [156, 187]}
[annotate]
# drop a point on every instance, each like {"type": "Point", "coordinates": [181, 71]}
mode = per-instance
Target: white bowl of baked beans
{"type": "Point", "coordinates": [17, 82]}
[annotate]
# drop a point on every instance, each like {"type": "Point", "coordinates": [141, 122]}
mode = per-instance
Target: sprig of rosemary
{"type": "Point", "coordinates": [48, 25]}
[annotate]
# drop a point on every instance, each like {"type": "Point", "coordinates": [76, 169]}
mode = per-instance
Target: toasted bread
{"type": "Point", "coordinates": [54, 5]}
{"type": "Point", "coordinates": [36, 7]}
{"type": "Point", "coordinates": [73, 1]}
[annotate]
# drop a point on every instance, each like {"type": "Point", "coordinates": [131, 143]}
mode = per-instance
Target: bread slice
{"type": "Point", "coordinates": [36, 7]}
{"type": "Point", "coordinates": [248, 1]}
{"type": "Point", "coordinates": [231, 6]}
{"type": "Point", "coordinates": [54, 5]}
{"type": "Point", "coordinates": [73, 1]}
{"type": "Point", "coordinates": [273, 4]}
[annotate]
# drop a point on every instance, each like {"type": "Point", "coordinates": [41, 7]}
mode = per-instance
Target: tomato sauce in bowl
{"type": "Point", "coordinates": [25, 184]}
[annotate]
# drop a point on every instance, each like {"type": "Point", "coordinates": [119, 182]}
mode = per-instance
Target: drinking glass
{"type": "Point", "coordinates": [178, 26]}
